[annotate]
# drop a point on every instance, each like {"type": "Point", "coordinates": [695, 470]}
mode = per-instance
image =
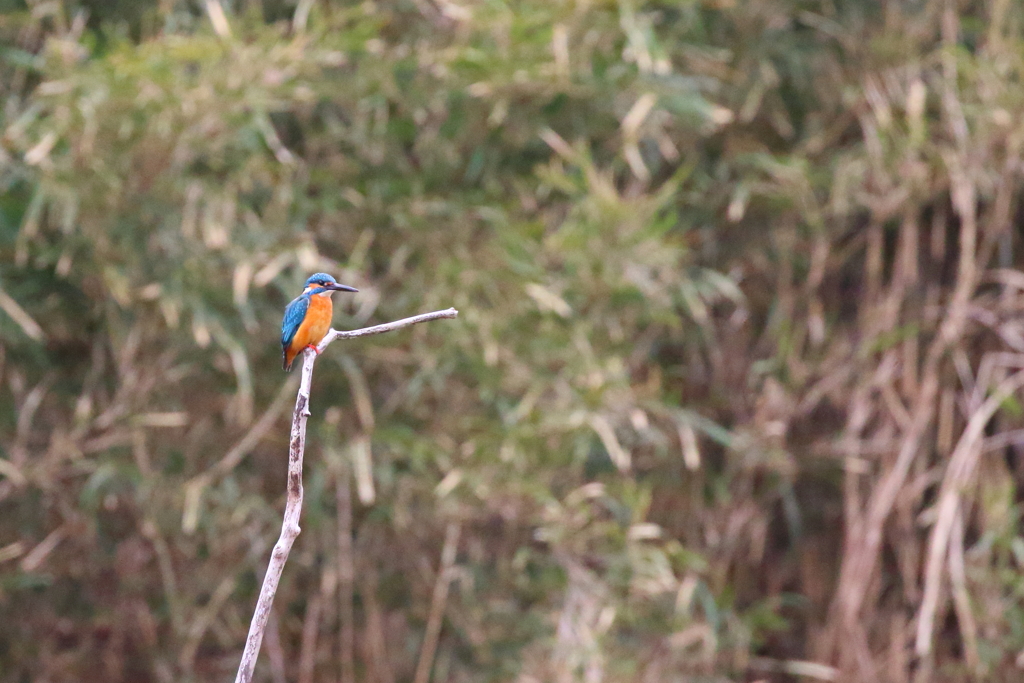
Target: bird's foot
{"type": "Point", "coordinates": [315, 349]}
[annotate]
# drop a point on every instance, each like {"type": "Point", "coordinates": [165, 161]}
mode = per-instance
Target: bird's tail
{"type": "Point", "coordinates": [286, 362]}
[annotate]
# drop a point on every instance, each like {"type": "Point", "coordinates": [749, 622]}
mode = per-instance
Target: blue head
{"type": "Point", "coordinates": [320, 283]}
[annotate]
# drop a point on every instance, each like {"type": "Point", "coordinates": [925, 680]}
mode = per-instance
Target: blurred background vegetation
{"type": "Point", "coordinates": [733, 394]}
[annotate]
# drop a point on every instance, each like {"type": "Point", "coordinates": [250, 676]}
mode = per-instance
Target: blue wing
{"type": "Point", "coordinates": [294, 314]}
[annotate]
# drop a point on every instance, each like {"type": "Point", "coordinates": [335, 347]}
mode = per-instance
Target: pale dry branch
{"type": "Point", "coordinates": [961, 468]}
{"type": "Point", "coordinates": [275, 652]}
{"type": "Point", "coordinates": [795, 667]}
{"type": "Point", "coordinates": [386, 327]}
{"type": "Point", "coordinates": [310, 630]}
{"type": "Point", "coordinates": [18, 314]}
{"type": "Point", "coordinates": [346, 575]}
{"type": "Point", "coordinates": [167, 577]}
{"type": "Point", "coordinates": [301, 15]}
{"type": "Point", "coordinates": [961, 599]}
{"type": "Point", "coordinates": [38, 555]}
{"type": "Point", "coordinates": [378, 660]}
{"type": "Point", "coordinates": [437, 604]}
{"type": "Point", "coordinates": [218, 19]}
{"type": "Point", "coordinates": [202, 623]}
{"type": "Point", "coordinates": [293, 505]}
{"type": "Point", "coordinates": [860, 561]}
{"type": "Point", "coordinates": [195, 487]}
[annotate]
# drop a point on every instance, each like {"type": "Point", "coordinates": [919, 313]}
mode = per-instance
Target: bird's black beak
{"type": "Point", "coordinates": [340, 288]}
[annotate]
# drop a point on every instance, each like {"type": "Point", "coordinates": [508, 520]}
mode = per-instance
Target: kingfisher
{"type": "Point", "coordinates": [308, 317]}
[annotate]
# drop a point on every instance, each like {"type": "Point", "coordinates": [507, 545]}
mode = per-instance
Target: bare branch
{"type": "Point", "coordinates": [346, 575]}
{"type": "Point", "coordinates": [386, 327]}
{"type": "Point", "coordinates": [293, 505]}
{"type": "Point", "coordinates": [437, 604]}
{"type": "Point", "coordinates": [962, 465]}
{"type": "Point", "coordinates": [275, 653]}
{"type": "Point", "coordinates": [378, 660]}
{"type": "Point", "coordinates": [195, 486]}
{"type": "Point", "coordinates": [18, 315]}
{"type": "Point", "coordinates": [310, 630]}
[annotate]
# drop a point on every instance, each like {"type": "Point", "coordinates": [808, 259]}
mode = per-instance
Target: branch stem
{"type": "Point", "coordinates": [293, 506]}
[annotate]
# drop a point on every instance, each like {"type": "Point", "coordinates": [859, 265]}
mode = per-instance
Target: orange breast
{"type": "Point", "coordinates": [315, 325]}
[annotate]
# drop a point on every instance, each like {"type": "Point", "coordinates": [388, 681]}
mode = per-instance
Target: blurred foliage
{"type": "Point", "coordinates": [734, 281]}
